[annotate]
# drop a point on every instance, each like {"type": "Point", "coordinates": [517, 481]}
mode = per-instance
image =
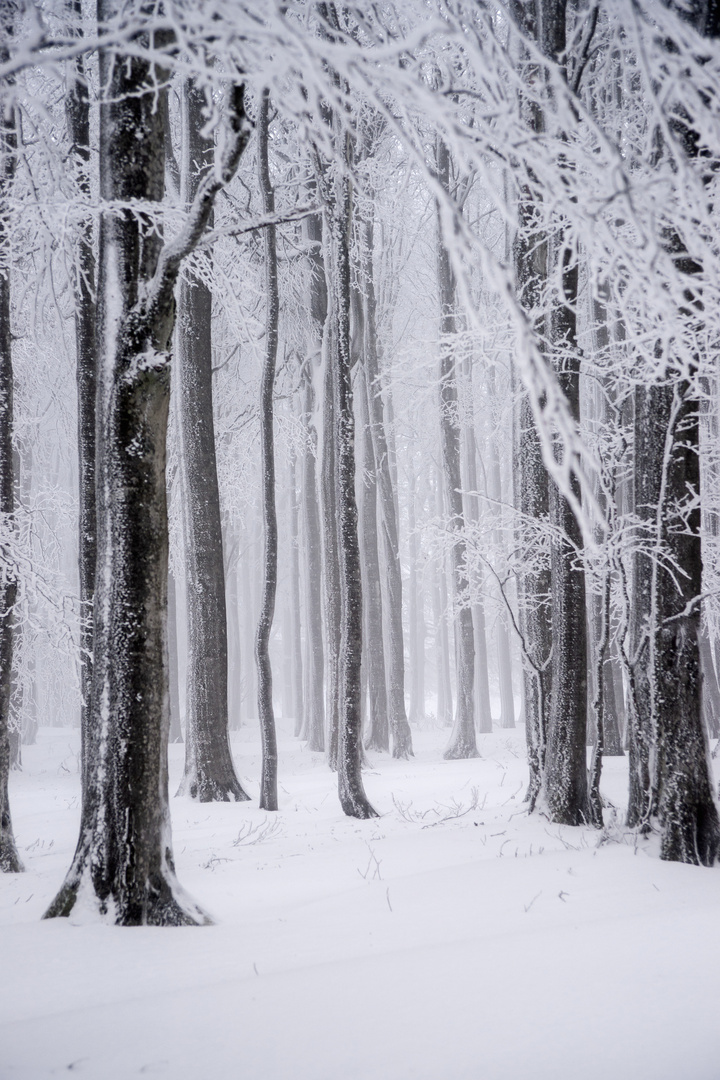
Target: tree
{"type": "Point", "coordinates": [209, 771]}
{"type": "Point", "coordinates": [9, 858]}
{"type": "Point", "coordinates": [123, 857]}
{"type": "Point", "coordinates": [268, 780]}
{"type": "Point", "coordinates": [462, 740]}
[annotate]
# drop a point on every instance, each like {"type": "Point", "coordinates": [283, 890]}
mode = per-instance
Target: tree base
{"type": "Point", "coordinates": [209, 789]}
{"type": "Point", "coordinates": [156, 905]}
{"type": "Point", "coordinates": [460, 751]}
{"type": "Point", "coordinates": [10, 862]}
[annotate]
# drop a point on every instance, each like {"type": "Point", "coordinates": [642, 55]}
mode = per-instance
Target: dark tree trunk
{"type": "Point", "coordinates": [353, 799]}
{"type": "Point", "coordinates": [77, 111]}
{"type": "Point", "coordinates": [566, 780]}
{"type": "Point", "coordinates": [9, 858]}
{"type": "Point", "coordinates": [462, 740]}
{"type": "Point", "coordinates": [124, 858]}
{"type": "Point", "coordinates": [209, 774]}
{"type": "Point", "coordinates": [268, 779]}
{"type": "Point", "coordinates": [331, 564]}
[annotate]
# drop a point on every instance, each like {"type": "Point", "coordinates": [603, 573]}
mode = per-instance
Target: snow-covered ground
{"type": "Point", "coordinates": [452, 938]}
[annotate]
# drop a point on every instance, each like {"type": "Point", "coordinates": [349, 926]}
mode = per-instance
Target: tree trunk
{"type": "Point", "coordinates": [416, 614]}
{"type": "Point", "coordinates": [387, 484]}
{"type": "Point", "coordinates": [294, 619]}
{"type": "Point", "coordinates": [268, 779]}
{"type": "Point", "coordinates": [9, 858]}
{"type": "Point", "coordinates": [378, 734]}
{"type": "Point", "coordinates": [462, 740]}
{"type": "Point", "coordinates": [209, 774]}
{"type": "Point", "coordinates": [124, 858]}
{"type": "Point", "coordinates": [173, 660]}
{"type": "Point", "coordinates": [353, 799]}
{"type": "Point", "coordinates": [77, 111]}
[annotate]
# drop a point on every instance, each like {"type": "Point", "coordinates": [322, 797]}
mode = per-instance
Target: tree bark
{"type": "Point", "coordinates": [353, 799]}
{"type": "Point", "coordinates": [77, 112]}
{"type": "Point", "coordinates": [209, 774]}
{"type": "Point", "coordinates": [124, 858]}
{"type": "Point", "coordinates": [462, 740]}
{"type": "Point", "coordinates": [9, 858]}
{"type": "Point", "coordinates": [387, 487]}
{"type": "Point", "coordinates": [268, 778]}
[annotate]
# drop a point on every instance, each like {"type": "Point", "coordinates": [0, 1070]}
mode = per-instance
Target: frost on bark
{"type": "Point", "coordinates": [669, 768]}
{"type": "Point", "coordinates": [9, 858]}
{"type": "Point", "coordinates": [209, 774]}
{"type": "Point", "coordinates": [565, 780]}
{"type": "Point", "coordinates": [315, 656]}
{"type": "Point", "coordinates": [462, 740]}
{"type": "Point", "coordinates": [353, 799]}
{"type": "Point", "coordinates": [77, 112]}
{"type": "Point", "coordinates": [530, 478]}
{"type": "Point", "coordinates": [123, 865]}
{"type": "Point", "coordinates": [268, 777]}
{"type": "Point", "coordinates": [377, 730]}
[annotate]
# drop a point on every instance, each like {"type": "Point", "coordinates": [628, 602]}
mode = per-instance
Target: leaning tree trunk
{"type": "Point", "coordinates": [123, 861]}
{"type": "Point", "coordinates": [209, 774]}
{"type": "Point", "coordinates": [462, 740]}
{"type": "Point", "coordinates": [9, 858]}
{"type": "Point", "coordinates": [268, 777]}
{"type": "Point", "coordinates": [353, 799]}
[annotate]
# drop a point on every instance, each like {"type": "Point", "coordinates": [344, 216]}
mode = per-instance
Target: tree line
{"type": "Point", "coordinates": [442, 280]}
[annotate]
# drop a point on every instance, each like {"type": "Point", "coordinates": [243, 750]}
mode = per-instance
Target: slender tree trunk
{"type": "Point", "coordinates": [416, 613]}
{"type": "Point", "coordinates": [268, 779]}
{"type": "Point", "coordinates": [77, 111]}
{"type": "Point", "coordinates": [483, 712]}
{"type": "Point", "coordinates": [174, 674]}
{"type": "Point", "coordinates": [353, 799]}
{"type": "Point", "coordinates": [124, 857]}
{"type": "Point", "coordinates": [313, 537]}
{"type": "Point", "coordinates": [462, 740]}
{"type": "Point", "coordinates": [328, 481]}
{"type": "Point", "coordinates": [9, 858]}
{"type": "Point", "coordinates": [387, 486]}
{"type": "Point", "coordinates": [378, 734]}
{"type": "Point", "coordinates": [209, 770]}
{"type": "Point", "coordinates": [295, 608]}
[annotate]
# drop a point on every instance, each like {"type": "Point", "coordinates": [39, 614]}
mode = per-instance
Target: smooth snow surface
{"type": "Point", "coordinates": [453, 938]}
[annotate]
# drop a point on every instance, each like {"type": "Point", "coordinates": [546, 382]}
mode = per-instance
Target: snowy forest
{"type": "Point", "coordinates": [359, 412]}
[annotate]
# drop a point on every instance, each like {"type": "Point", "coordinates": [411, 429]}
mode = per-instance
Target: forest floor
{"type": "Point", "coordinates": [452, 938]}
